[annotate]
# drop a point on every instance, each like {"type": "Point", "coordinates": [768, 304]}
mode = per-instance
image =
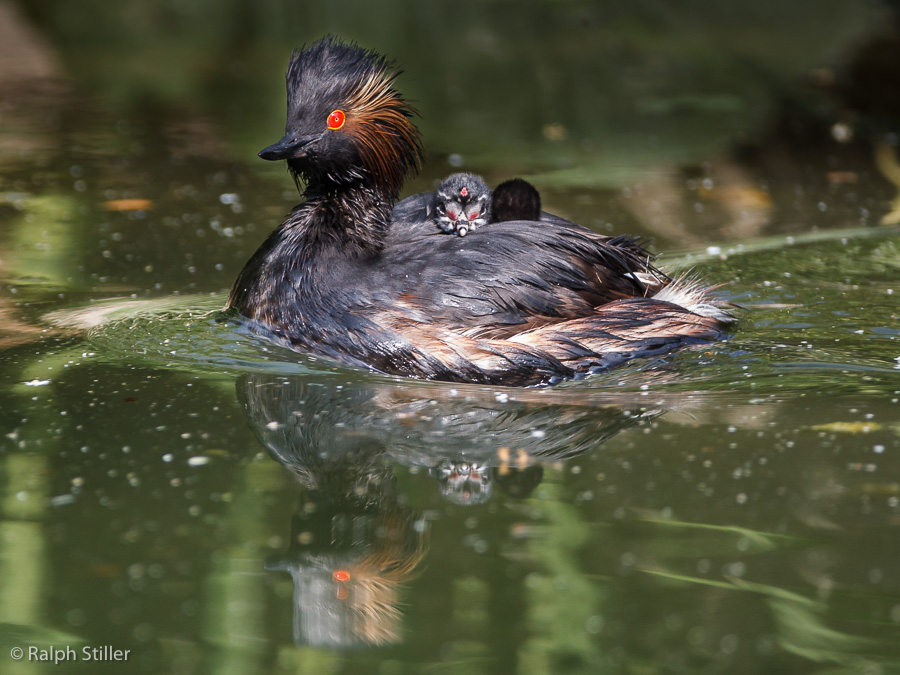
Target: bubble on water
{"type": "Point", "coordinates": [143, 632]}
{"type": "Point", "coordinates": [842, 132]}
{"type": "Point", "coordinates": [729, 644]}
{"type": "Point", "coordinates": [62, 500]}
{"type": "Point", "coordinates": [594, 624]}
{"type": "Point", "coordinates": [696, 636]}
{"type": "Point", "coordinates": [76, 617]}
{"type": "Point", "coordinates": [735, 569]}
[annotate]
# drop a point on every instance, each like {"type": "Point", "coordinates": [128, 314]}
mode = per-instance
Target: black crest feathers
{"type": "Point", "coordinates": [333, 75]}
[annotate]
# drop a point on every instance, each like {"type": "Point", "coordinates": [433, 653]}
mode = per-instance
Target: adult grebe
{"type": "Point", "coordinates": [517, 303]}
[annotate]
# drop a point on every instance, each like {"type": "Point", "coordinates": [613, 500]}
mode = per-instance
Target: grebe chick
{"type": "Point", "coordinates": [350, 277]}
{"type": "Point", "coordinates": [515, 199]}
{"type": "Point", "coordinates": [461, 203]}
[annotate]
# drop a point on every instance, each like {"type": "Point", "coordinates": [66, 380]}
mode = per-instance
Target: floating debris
{"type": "Point", "coordinates": [848, 427]}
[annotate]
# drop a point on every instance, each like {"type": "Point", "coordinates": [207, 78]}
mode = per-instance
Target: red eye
{"type": "Point", "coordinates": [452, 214]}
{"type": "Point", "coordinates": [336, 119]}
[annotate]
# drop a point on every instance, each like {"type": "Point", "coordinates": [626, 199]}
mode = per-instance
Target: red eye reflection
{"type": "Point", "coordinates": [336, 119]}
{"type": "Point", "coordinates": [341, 575]}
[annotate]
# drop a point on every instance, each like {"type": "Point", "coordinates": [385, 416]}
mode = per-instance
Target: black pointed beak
{"type": "Point", "coordinates": [286, 148]}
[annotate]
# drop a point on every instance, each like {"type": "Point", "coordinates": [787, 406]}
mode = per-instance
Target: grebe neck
{"type": "Point", "coordinates": [348, 219]}
{"type": "Point", "coordinates": [337, 221]}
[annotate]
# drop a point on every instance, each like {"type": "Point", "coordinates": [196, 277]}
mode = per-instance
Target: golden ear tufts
{"type": "Point", "coordinates": [388, 141]}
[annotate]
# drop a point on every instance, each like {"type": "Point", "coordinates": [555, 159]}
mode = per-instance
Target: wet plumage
{"type": "Point", "coordinates": [350, 277]}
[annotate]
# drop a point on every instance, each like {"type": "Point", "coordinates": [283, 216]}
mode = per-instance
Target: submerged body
{"type": "Point", "coordinates": [350, 277]}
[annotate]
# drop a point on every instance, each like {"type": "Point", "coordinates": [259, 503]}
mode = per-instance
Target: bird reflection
{"type": "Point", "coordinates": [354, 538]}
{"type": "Point", "coordinates": [349, 556]}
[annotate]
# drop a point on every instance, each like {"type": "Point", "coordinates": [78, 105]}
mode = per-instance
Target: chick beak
{"type": "Point", "coordinates": [286, 148]}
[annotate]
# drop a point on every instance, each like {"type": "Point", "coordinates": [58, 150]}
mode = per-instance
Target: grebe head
{"type": "Point", "coordinates": [346, 123]}
{"type": "Point", "coordinates": [515, 199]}
{"type": "Point", "coordinates": [462, 203]}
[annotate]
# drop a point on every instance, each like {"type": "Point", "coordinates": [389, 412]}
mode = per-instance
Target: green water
{"type": "Point", "coordinates": [172, 485]}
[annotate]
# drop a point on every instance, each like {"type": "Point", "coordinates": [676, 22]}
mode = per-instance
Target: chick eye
{"type": "Point", "coordinates": [336, 119]}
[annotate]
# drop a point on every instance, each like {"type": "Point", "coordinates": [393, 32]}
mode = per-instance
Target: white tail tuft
{"type": "Point", "coordinates": [694, 296]}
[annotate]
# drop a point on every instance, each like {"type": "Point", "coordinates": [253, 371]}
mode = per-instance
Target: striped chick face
{"type": "Point", "coordinates": [462, 203]}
